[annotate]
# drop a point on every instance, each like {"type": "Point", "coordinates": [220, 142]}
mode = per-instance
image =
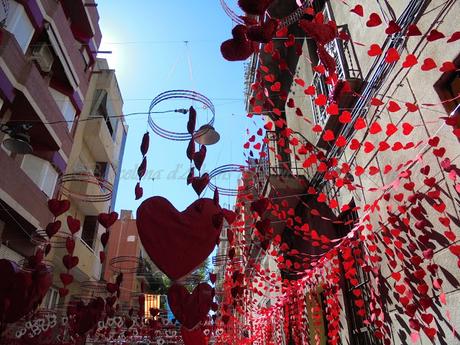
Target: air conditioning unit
{"type": "Point", "coordinates": [43, 56]}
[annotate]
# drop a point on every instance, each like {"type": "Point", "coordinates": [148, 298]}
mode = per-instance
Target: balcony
{"type": "Point", "coordinates": [98, 138]}
{"type": "Point", "coordinates": [285, 169]}
{"type": "Point", "coordinates": [348, 70]}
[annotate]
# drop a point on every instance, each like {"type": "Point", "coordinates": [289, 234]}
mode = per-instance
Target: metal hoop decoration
{"type": "Point", "coordinates": [126, 264]}
{"type": "Point", "coordinates": [174, 94]}
{"type": "Point", "coordinates": [86, 179]}
{"type": "Point", "coordinates": [228, 168]}
{"type": "Point", "coordinates": [40, 238]}
{"type": "Point", "coordinates": [93, 287]}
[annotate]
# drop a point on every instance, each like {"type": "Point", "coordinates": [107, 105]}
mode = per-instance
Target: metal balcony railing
{"type": "Point", "coordinates": [344, 54]}
{"type": "Point", "coordinates": [282, 158]}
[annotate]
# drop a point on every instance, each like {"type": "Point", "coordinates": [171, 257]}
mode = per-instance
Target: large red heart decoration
{"type": "Point", "coordinates": [263, 33]}
{"type": "Point", "coordinates": [194, 337]}
{"type": "Point", "coordinates": [177, 242]}
{"type": "Point", "coordinates": [21, 291]}
{"type": "Point", "coordinates": [190, 308]}
{"type": "Point", "coordinates": [85, 317]}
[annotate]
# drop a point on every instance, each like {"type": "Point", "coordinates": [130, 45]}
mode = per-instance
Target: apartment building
{"type": "Point", "coordinates": [63, 132]}
{"type": "Point", "coordinates": [303, 169]}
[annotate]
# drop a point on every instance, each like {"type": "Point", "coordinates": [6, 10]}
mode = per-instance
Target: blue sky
{"type": "Point", "coordinates": [149, 53]}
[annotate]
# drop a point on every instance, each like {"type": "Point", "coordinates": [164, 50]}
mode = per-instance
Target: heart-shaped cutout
{"type": "Point", "coordinates": [190, 308]}
{"type": "Point", "coordinates": [177, 242]}
{"type": "Point", "coordinates": [73, 224]}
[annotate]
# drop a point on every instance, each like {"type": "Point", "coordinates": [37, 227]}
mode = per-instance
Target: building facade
{"type": "Point", "coordinates": [63, 104]}
{"type": "Point", "coordinates": [366, 171]}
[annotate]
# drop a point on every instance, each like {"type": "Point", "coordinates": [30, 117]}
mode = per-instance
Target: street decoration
{"type": "Point", "coordinates": [178, 242]}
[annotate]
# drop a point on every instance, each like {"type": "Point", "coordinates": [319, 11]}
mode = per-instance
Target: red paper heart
{"type": "Point", "coordinates": [392, 28]}
{"type": "Point", "coordinates": [73, 224]}
{"type": "Point", "coordinates": [358, 9]}
{"type": "Point", "coordinates": [413, 30]}
{"type": "Point", "coordinates": [193, 337]}
{"type": "Point", "coordinates": [374, 50]}
{"type": "Point", "coordinates": [374, 20]}
{"type": "Point", "coordinates": [177, 242]}
{"type": "Point", "coordinates": [107, 219]}
{"type": "Point", "coordinates": [434, 35]}
{"type": "Point", "coordinates": [58, 207]}
{"type": "Point", "coordinates": [200, 183]}
{"type": "Point", "coordinates": [428, 64]}
{"type": "Point", "coordinates": [190, 309]}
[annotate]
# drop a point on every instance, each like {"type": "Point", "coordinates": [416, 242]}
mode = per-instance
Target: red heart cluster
{"type": "Point", "coordinates": [21, 290]}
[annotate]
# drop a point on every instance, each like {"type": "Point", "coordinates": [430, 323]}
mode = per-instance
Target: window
{"type": "Point", "coordinates": [19, 24]}
{"type": "Point", "coordinates": [41, 172]}
{"type": "Point", "coordinates": [65, 106]}
{"type": "Point", "coordinates": [100, 170]}
{"type": "Point", "coordinates": [52, 299]}
{"type": "Point", "coordinates": [103, 108]}
{"type": "Point", "coordinates": [89, 231]}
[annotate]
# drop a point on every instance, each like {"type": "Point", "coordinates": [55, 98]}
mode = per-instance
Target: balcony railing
{"type": "Point", "coordinates": [285, 160]}
{"type": "Point", "coordinates": [348, 68]}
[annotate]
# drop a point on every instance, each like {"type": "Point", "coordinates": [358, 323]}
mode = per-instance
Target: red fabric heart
{"type": "Point", "coordinates": [66, 278]}
{"type": "Point", "coordinates": [70, 261]}
{"type": "Point", "coordinates": [254, 7]}
{"type": "Point", "coordinates": [58, 207]}
{"type": "Point", "coordinates": [53, 228]}
{"type": "Point", "coordinates": [105, 238]}
{"type": "Point", "coordinates": [263, 33]}
{"type": "Point", "coordinates": [190, 309]}
{"type": "Point", "coordinates": [194, 337]}
{"type": "Point", "coordinates": [138, 191]}
{"type": "Point", "coordinates": [73, 224]}
{"type": "Point", "coordinates": [145, 143]}
{"type": "Point", "coordinates": [107, 219]}
{"type": "Point", "coordinates": [84, 318]}
{"type": "Point", "coordinates": [198, 157]}
{"type": "Point", "coordinates": [142, 168]}
{"type": "Point", "coordinates": [21, 291]}
{"type": "Point", "coordinates": [200, 183]}
{"type": "Point", "coordinates": [229, 216]}
{"type": "Point", "coordinates": [190, 176]}
{"type": "Point", "coordinates": [239, 47]}
{"type": "Point", "coordinates": [70, 245]}
{"type": "Point", "coordinates": [177, 242]}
